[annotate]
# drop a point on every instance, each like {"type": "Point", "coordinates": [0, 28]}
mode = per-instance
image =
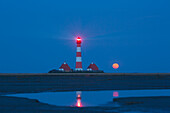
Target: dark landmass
{"type": "Point", "coordinates": [145, 104]}
{"type": "Point", "coordinates": [131, 105]}
{"type": "Point", "coordinates": [152, 102]}
{"type": "Point", "coordinates": [43, 82]}
{"type": "Point", "coordinates": [74, 71]}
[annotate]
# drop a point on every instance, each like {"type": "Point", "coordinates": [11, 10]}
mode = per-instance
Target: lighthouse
{"type": "Point", "coordinates": [64, 68]}
{"type": "Point", "coordinates": [78, 55]}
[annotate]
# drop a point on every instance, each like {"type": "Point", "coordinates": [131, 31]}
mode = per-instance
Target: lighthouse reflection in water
{"type": "Point", "coordinates": [79, 98]}
{"type": "Point", "coordinates": [90, 98]}
{"type": "Point", "coordinates": [78, 104]}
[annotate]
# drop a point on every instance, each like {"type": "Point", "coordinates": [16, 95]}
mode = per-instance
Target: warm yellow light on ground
{"type": "Point", "coordinates": [115, 65]}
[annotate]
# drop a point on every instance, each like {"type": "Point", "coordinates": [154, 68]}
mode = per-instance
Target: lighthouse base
{"type": "Point", "coordinates": [78, 69]}
{"type": "Point", "coordinates": [75, 71]}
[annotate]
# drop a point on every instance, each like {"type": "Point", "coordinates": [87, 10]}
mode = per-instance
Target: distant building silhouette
{"type": "Point", "coordinates": [64, 67]}
{"type": "Point", "coordinates": [92, 67]}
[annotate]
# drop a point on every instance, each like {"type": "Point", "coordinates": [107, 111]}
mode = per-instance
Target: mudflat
{"type": "Point", "coordinates": [43, 82]}
{"type": "Point", "coordinates": [130, 105]}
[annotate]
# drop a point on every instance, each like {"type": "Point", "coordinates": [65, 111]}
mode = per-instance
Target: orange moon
{"type": "Point", "coordinates": [115, 65]}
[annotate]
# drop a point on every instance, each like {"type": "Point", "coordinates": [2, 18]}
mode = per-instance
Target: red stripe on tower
{"type": "Point", "coordinates": [78, 56]}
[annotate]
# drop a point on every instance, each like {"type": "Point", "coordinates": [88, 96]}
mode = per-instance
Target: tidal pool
{"type": "Point", "coordinates": [90, 98]}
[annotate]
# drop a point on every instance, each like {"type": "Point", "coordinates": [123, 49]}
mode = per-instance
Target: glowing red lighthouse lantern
{"type": "Point", "coordinates": [78, 55]}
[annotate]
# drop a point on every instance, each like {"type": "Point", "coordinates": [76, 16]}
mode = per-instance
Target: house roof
{"type": "Point", "coordinates": [65, 67]}
{"type": "Point", "coordinates": [93, 66]}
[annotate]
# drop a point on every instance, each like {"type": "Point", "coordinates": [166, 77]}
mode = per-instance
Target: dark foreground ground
{"type": "Point", "coordinates": [123, 105]}
{"type": "Point", "coordinates": [29, 83]}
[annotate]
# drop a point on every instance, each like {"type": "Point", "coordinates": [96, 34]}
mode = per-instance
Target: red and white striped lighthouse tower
{"type": "Point", "coordinates": [78, 56]}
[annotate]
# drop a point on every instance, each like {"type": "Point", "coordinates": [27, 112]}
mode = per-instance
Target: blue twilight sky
{"type": "Point", "coordinates": [39, 35]}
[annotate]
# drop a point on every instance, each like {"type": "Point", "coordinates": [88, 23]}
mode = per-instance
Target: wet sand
{"type": "Point", "coordinates": [128, 105]}
{"type": "Point", "coordinates": [146, 104]}
{"type": "Point", "coordinates": [49, 82]}
{"type": "Point", "coordinates": [23, 105]}
{"type": "Point", "coordinates": [30, 83]}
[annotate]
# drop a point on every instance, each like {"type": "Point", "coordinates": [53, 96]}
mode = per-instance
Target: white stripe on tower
{"type": "Point", "coordinates": [78, 49]}
{"type": "Point", "coordinates": [78, 59]}
{"type": "Point", "coordinates": [78, 56]}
